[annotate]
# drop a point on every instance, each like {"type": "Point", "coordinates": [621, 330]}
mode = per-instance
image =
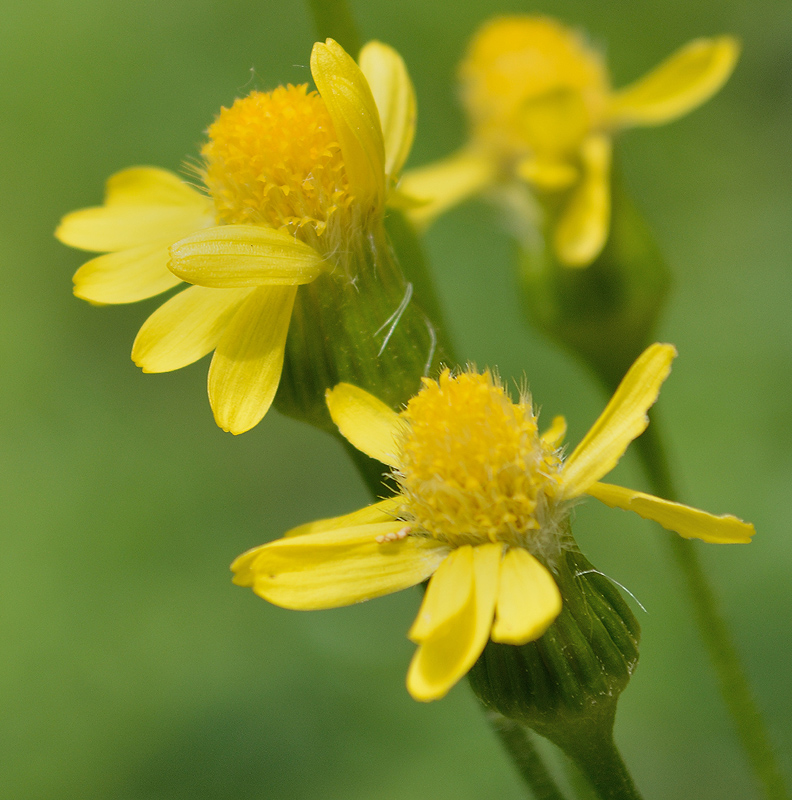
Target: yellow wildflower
{"type": "Point", "coordinates": [293, 182]}
{"type": "Point", "coordinates": [482, 510]}
{"type": "Point", "coordinates": [542, 113]}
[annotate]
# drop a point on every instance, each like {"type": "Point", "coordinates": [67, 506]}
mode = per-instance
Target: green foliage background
{"type": "Point", "coordinates": [132, 668]}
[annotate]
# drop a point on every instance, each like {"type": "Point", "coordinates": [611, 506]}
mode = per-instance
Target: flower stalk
{"type": "Point", "coordinates": [714, 630]}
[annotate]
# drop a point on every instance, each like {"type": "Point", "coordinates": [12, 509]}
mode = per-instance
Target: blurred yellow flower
{"type": "Point", "coordinates": [293, 183]}
{"type": "Point", "coordinates": [482, 510]}
{"type": "Point", "coordinates": [541, 111]}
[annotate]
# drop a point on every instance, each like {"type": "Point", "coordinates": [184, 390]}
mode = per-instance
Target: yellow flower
{"type": "Point", "coordinates": [294, 182]}
{"type": "Point", "coordinates": [542, 113]}
{"type": "Point", "coordinates": [482, 510]}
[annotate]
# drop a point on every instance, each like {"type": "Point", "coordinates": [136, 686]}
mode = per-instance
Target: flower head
{"type": "Point", "coordinates": [481, 510]}
{"type": "Point", "coordinates": [542, 113]}
{"type": "Point", "coordinates": [292, 180]}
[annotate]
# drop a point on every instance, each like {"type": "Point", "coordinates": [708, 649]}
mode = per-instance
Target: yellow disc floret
{"type": "Point", "coordinates": [472, 466]}
{"type": "Point", "coordinates": [531, 85]}
{"type": "Point", "coordinates": [273, 159]}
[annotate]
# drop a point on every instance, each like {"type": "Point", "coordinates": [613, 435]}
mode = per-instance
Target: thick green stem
{"type": "Point", "coordinates": [714, 631]}
{"type": "Point", "coordinates": [517, 743]}
{"type": "Point", "coordinates": [334, 20]}
{"type": "Point", "coordinates": [599, 760]}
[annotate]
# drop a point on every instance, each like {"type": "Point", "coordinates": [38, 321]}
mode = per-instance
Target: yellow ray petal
{"type": "Point", "coordinates": [684, 520]}
{"type": "Point", "coordinates": [554, 435]}
{"type": "Point", "coordinates": [528, 599]}
{"type": "Point", "coordinates": [384, 511]}
{"type": "Point", "coordinates": [126, 276]}
{"type": "Point", "coordinates": [394, 95]}
{"type": "Point", "coordinates": [366, 422]}
{"type": "Point", "coordinates": [246, 367]}
{"type": "Point", "coordinates": [623, 419]}
{"type": "Point", "coordinates": [349, 101]}
{"type": "Point", "coordinates": [452, 649]}
{"type": "Point", "coordinates": [681, 83]}
{"type": "Point", "coordinates": [327, 570]}
{"type": "Point", "coordinates": [185, 328]}
{"type": "Point", "coordinates": [582, 230]}
{"type": "Point", "coordinates": [550, 176]}
{"type": "Point", "coordinates": [142, 205]}
{"type": "Point", "coordinates": [449, 591]}
{"type": "Point", "coordinates": [234, 256]}
{"type": "Point", "coordinates": [444, 184]}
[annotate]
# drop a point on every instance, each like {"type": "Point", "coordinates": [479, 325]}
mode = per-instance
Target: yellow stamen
{"type": "Point", "coordinates": [533, 86]}
{"type": "Point", "coordinates": [473, 467]}
{"type": "Point", "coordinates": [273, 159]}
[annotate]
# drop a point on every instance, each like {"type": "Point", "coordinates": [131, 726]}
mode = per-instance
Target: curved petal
{"type": "Point", "coordinates": [681, 83]}
{"type": "Point", "coordinates": [623, 420]}
{"type": "Point", "coordinates": [684, 520]}
{"type": "Point", "coordinates": [126, 276]}
{"type": "Point", "coordinates": [449, 591]}
{"type": "Point", "coordinates": [351, 105]}
{"type": "Point", "coordinates": [528, 599]}
{"type": "Point", "coordinates": [554, 435]}
{"type": "Point", "coordinates": [246, 367]}
{"type": "Point", "coordinates": [234, 256]}
{"type": "Point", "coordinates": [445, 184]}
{"type": "Point", "coordinates": [328, 570]}
{"type": "Point", "coordinates": [366, 422]}
{"type": "Point", "coordinates": [384, 511]}
{"type": "Point", "coordinates": [394, 95]}
{"type": "Point", "coordinates": [142, 205]}
{"type": "Point", "coordinates": [549, 176]}
{"type": "Point", "coordinates": [582, 230]}
{"type": "Point", "coordinates": [453, 647]}
{"type": "Point", "coordinates": [185, 328]}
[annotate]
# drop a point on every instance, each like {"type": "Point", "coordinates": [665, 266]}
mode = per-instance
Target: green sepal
{"type": "Point", "coordinates": [606, 312]}
{"type": "Point", "coordinates": [364, 324]}
{"type": "Point", "coordinates": [566, 684]}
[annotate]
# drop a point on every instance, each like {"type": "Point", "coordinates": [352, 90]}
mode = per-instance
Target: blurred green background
{"type": "Point", "coordinates": [132, 668]}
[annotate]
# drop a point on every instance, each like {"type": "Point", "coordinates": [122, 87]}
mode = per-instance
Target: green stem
{"type": "Point", "coordinates": [517, 743]}
{"type": "Point", "coordinates": [599, 760]}
{"type": "Point", "coordinates": [334, 20]}
{"type": "Point", "coordinates": [714, 631]}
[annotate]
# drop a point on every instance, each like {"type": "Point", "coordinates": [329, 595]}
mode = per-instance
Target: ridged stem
{"type": "Point", "coordinates": [714, 631]}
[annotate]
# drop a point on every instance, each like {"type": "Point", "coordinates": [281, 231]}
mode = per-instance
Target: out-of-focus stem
{"type": "Point", "coordinates": [333, 20]}
{"type": "Point", "coordinates": [714, 631]}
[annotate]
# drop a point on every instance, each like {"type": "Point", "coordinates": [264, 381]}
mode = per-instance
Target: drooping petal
{"type": "Point", "coordinates": [246, 367]}
{"type": "Point", "coordinates": [681, 83]}
{"type": "Point", "coordinates": [623, 419]}
{"type": "Point", "coordinates": [582, 230]}
{"type": "Point", "coordinates": [351, 105]}
{"type": "Point", "coordinates": [550, 176]}
{"type": "Point", "coordinates": [684, 520]}
{"type": "Point", "coordinates": [449, 591]}
{"type": "Point", "coordinates": [554, 435]}
{"type": "Point", "coordinates": [394, 95]}
{"type": "Point", "coordinates": [142, 205]}
{"type": "Point", "coordinates": [235, 256]}
{"type": "Point", "coordinates": [444, 184]}
{"type": "Point", "coordinates": [185, 328]}
{"type": "Point", "coordinates": [384, 511]}
{"type": "Point", "coordinates": [528, 599]}
{"type": "Point", "coordinates": [453, 647]}
{"type": "Point", "coordinates": [338, 568]}
{"type": "Point", "coordinates": [126, 276]}
{"type": "Point", "coordinates": [366, 422]}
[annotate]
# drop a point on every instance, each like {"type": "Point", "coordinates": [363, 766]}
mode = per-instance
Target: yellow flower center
{"type": "Point", "coordinates": [273, 159]}
{"type": "Point", "coordinates": [532, 87]}
{"type": "Point", "coordinates": [473, 466]}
